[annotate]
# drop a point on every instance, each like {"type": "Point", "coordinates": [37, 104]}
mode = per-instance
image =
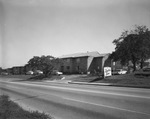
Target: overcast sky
{"type": "Point", "coordinates": [58, 27]}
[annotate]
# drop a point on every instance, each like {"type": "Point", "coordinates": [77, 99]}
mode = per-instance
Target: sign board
{"type": "Point", "coordinates": [107, 71]}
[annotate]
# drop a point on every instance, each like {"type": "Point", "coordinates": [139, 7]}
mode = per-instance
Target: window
{"type": "Point", "coordinates": [68, 67]}
{"type": "Point", "coordinates": [78, 60]}
{"type": "Point", "coordinates": [67, 60]}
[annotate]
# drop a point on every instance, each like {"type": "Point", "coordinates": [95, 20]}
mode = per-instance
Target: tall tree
{"type": "Point", "coordinates": [44, 63]}
{"type": "Point", "coordinates": [133, 46]}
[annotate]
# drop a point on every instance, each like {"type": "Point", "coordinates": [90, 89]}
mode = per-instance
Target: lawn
{"type": "Point", "coordinates": [120, 80]}
{"type": "Point", "coordinates": [15, 77]}
{"type": "Point", "coordinates": [29, 77]}
{"type": "Point", "coordinates": [11, 110]}
{"type": "Point", "coordinates": [127, 79]}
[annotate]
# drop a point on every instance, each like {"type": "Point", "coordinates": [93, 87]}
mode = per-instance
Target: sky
{"type": "Point", "coordinates": [59, 27]}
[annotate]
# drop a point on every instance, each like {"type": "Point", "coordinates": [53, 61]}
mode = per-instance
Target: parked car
{"type": "Point", "coordinates": [4, 73]}
{"type": "Point", "coordinates": [122, 71]}
{"type": "Point", "coordinates": [38, 72]}
{"type": "Point", "coordinates": [56, 72]}
{"type": "Point", "coordinates": [119, 71]}
{"type": "Point", "coordinates": [29, 72]}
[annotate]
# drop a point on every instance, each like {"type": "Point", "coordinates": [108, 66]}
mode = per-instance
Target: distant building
{"type": "Point", "coordinates": [84, 62]}
{"type": "Point", "coordinates": [18, 70]}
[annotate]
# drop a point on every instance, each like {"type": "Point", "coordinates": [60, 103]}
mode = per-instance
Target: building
{"type": "Point", "coordinates": [84, 62]}
{"type": "Point", "coordinates": [17, 70]}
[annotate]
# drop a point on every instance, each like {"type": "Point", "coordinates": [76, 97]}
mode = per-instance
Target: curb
{"type": "Point", "coordinates": [86, 83]}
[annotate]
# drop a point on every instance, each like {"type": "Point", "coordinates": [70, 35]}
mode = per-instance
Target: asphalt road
{"type": "Point", "coordinates": [72, 101]}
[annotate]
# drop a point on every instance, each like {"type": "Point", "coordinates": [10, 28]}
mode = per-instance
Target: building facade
{"type": "Point", "coordinates": [84, 62]}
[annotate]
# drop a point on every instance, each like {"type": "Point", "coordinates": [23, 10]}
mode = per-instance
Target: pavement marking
{"type": "Point", "coordinates": [82, 90]}
{"type": "Point", "coordinates": [101, 105]}
{"type": "Point", "coordinates": [76, 100]}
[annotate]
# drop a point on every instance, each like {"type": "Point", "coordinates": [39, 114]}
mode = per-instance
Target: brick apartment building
{"type": "Point", "coordinates": [84, 62]}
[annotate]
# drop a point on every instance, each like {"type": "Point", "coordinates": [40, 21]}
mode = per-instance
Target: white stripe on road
{"type": "Point", "coordinates": [82, 90]}
{"type": "Point", "coordinates": [101, 105]}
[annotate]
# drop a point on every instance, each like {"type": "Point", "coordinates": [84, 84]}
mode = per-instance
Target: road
{"type": "Point", "coordinates": [72, 101]}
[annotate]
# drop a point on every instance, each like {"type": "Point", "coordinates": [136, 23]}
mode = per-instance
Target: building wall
{"type": "Point", "coordinates": [80, 65]}
{"type": "Point", "coordinates": [107, 61]}
{"type": "Point", "coordinates": [96, 65]}
{"type": "Point", "coordinates": [18, 70]}
{"type": "Point", "coordinates": [74, 65]}
{"type": "Point", "coordinates": [66, 65]}
{"type": "Point", "coordinates": [84, 64]}
{"type": "Point", "coordinates": [89, 62]}
{"type": "Point", "coordinates": [99, 63]}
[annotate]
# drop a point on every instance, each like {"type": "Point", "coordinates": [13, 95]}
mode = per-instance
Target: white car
{"type": "Point", "coordinates": [56, 72]}
{"type": "Point", "coordinates": [38, 72]}
{"type": "Point", "coordinates": [122, 71]}
{"type": "Point", "coordinates": [29, 72]}
{"type": "Point", "coordinates": [119, 71]}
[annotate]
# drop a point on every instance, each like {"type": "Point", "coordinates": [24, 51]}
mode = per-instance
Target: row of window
{"type": "Point", "coordinates": [68, 60]}
{"type": "Point", "coordinates": [68, 68]}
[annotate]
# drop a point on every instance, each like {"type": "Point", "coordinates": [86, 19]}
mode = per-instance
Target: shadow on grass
{"type": "Point", "coordinates": [96, 79]}
{"type": "Point", "coordinates": [37, 77]}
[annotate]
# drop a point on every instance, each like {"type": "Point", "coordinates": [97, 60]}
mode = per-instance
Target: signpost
{"type": "Point", "coordinates": [107, 71]}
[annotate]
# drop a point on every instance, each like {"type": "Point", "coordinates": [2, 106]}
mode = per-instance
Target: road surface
{"type": "Point", "coordinates": [72, 101]}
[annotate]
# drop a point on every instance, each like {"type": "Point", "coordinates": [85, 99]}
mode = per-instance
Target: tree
{"type": "Point", "coordinates": [43, 63]}
{"type": "Point", "coordinates": [132, 46]}
{"type": "Point", "coordinates": [1, 70]}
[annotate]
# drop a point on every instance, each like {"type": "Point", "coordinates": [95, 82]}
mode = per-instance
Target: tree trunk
{"type": "Point", "coordinates": [134, 66]}
{"type": "Point", "coordinates": [141, 64]}
{"type": "Point", "coordinates": [134, 62]}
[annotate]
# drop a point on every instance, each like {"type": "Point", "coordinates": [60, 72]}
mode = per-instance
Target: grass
{"type": "Point", "coordinates": [11, 110]}
{"type": "Point", "coordinates": [29, 77]}
{"type": "Point", "coordinates": [16, 77]}
{"type": "Point", "coordinates": [129, 79]}
{"type": "Point", "coordinates": [121, 80]}
{"type": "Point", "coordinates": [86, 78]}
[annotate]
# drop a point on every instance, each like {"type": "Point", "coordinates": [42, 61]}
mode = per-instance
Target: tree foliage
{"type": "Point", "coordinates": [133, 46]}
{"type": "Point", "coordinates": [44, 63]}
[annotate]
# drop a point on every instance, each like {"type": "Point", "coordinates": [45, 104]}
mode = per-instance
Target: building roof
{"type": "Point", "coordinates": [87, 54]}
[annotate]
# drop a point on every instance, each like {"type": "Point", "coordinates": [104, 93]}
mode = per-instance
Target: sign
{"type": "Point", "coordinates": [107, 71]}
